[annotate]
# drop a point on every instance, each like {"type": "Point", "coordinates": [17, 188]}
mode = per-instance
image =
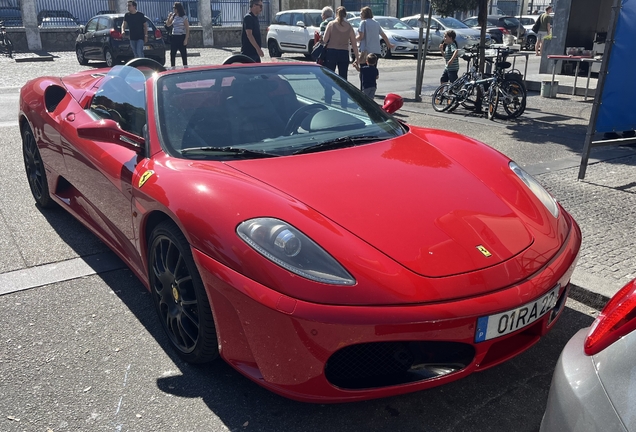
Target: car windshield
{"type": "Point", "coordinates": [272, 110]}
{"type": "Point", "coordinates": [393, 24]}
{"type": "Point", "coordinates": [452, 23]}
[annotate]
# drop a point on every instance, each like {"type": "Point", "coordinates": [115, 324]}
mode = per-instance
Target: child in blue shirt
{"type": "Point", "coordinates": [369, 73]}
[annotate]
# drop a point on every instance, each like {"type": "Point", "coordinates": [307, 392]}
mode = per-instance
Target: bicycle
{"type": "Point", "coordinates": [6, 46]}
{"type": "Point", "coordinates": [500, 88]}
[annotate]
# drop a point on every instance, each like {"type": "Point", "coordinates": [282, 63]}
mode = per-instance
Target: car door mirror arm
{"type": "Point", "coordinates": [109, 131]}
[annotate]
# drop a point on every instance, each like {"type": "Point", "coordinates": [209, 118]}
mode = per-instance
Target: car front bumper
{"type": "Point", "coordinates": [301, 350]}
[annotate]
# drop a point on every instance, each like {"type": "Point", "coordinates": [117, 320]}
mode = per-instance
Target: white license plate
{"type": "Point", "coordinates": [147, 47]}
{"type": "Point", "coordinates": [494, 326]}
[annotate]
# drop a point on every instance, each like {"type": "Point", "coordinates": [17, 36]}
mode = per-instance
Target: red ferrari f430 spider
{"type": "Point", "coordinates": [285, 222]}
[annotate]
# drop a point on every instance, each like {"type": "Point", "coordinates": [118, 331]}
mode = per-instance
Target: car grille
{"type": "Point", "coordinates": [415, 41]}
{"type": "Point", "coordinates": [382, 364]}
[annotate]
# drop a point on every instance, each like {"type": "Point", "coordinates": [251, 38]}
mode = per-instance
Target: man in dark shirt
{"type": "Point", "coordinates": [251, 34]}
{"type": "Point", "coordinates": [138, 27]}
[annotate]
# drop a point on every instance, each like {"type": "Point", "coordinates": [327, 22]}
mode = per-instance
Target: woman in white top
{"type": "Point", "coordinates": [180, 33]}
{"type": "Point", "coordinates": [338, 36]}
{"type": "Point", "coordinates": [369, 34]}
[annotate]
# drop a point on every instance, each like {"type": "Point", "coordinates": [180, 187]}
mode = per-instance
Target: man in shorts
{"type": "Point", "coordinates": [544, 30]}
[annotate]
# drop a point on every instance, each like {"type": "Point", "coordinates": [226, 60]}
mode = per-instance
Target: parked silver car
{"type": "Point", "coordinates": [405, 38]}
{"type": "Point", "coordinates": [466, 36]}
{"type": "Point", "coordinates": [594, 383]}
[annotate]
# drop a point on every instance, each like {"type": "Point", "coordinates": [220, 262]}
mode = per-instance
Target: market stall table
{"type": "Point", "coordinates": [577, 60]}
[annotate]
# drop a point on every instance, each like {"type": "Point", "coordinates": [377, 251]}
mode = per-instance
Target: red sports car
{"type": "Point", "coordinates": [284, 221]}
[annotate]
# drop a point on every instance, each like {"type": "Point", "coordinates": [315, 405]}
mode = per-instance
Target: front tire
{"type": "Point", "coordinates": [385, 51]}
{"type": "Point", "coordinates": [35, 171]}
{"type": "Point", "coordinates": [179, 295]}
{"type": "Point", "coordinates": [442, 99]}
{"type": "Point", "coordinates": [311, 48]}
{"type": "Point", "coordinates": [274, 50]}
{"type": "Point", "coordinates": [109, 58]}
{"type": "Point", "coordinates": [80, 57]}
{"type": "Point", "coordinates": [531, 42]}
{"type": "Point", "coordinates": [512, 96]}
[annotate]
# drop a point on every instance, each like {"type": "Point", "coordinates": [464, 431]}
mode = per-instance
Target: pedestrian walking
{"type": "Point", "coordinates": [180, 34]}
{"type": "Point", "coordinates": [251, 33]}
{"type": "Point", "coordinates": [327, 17]}
{"type": "Point", "coordinates": [338, 35]}
{"type": "Point", "coordinates": [137, 26]}
{"type": "Point", "coordinates": [544, 30]}
{"type": "Point", "coordinates": [369, 73]}
{"type": "Point", "coordinates": [369, 34]}
{"type": "Point", "coordinates": [450, 54]}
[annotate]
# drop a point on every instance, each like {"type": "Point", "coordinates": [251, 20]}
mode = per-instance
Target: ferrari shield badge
{"type": "Point", "coordinates": [484, 251]}
{"type": "Point", "coordinates": [145, 176]}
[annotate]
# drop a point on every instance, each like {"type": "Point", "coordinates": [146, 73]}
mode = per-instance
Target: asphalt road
{"type": "Point", "coordinates": [81, 348]}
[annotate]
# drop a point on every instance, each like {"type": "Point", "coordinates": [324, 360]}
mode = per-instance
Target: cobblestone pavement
{"type": "Point", "coordinates": [603, 204]}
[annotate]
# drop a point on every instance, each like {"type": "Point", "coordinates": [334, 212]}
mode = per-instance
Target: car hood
{"type": "Point", "coordinates": [407, 199]}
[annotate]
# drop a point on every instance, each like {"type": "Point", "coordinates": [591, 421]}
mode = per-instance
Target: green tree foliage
{"type": "Point", "coordinates": [449, 7]}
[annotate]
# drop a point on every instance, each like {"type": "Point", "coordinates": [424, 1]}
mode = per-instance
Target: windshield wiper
{"type": "Point", "coordinates": [233, 150]}
{"type": "Point", "coordinates": [342, 142]}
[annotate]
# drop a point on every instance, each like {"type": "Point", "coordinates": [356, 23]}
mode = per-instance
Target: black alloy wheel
{"type": "Point", "coordinates": [179, 295]}
{"type": "Point", "coordinates": [274, 50]}
{"type": "Point", "coordinates": [35, 171]}
{"type": "Point", "coordinates": [109, 58]}
{"type": "Point", "coordinates": [385, 51]}
{"type": "Point", "coordinates": [80, 57]}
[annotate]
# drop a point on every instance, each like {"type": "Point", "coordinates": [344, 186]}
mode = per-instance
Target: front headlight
{"type": "Point", "coordinates": [284, 245]}
{"type": "Point", "coordinates": [400, 39]}
{"type": "Point", "coordinates": [544, 196]}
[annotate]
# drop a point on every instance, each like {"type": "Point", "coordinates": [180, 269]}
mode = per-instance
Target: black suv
{"type": "Point", "coordinates": [101, 39]}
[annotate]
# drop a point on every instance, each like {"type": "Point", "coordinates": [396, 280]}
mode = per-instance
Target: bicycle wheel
{"type": "Point", "coordinates": [512, 96]}
{"type": "Point", "coordinates": [442, 99]}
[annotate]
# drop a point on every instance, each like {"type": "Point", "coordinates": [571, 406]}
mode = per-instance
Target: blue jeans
{"type": "Point", "coordinates": [137, 47]}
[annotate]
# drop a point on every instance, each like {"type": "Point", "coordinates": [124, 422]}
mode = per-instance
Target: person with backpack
{"type": "Point", "coordinates": [450, 52]}
{"type": "Point", "coordinates": [542, 27]}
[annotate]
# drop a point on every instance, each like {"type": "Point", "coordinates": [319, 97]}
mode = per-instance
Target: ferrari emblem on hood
{"type": "Point", "coordinates": [145, 176]}
{"type": "Point", "coordinates": [484, 251]}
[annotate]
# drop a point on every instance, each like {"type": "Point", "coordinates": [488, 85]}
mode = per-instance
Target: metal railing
{"type": "Point", "coordinates": [71, 13]}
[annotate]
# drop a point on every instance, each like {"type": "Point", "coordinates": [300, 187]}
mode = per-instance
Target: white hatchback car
{"type": "Point", "coordinates": [292, 31]}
